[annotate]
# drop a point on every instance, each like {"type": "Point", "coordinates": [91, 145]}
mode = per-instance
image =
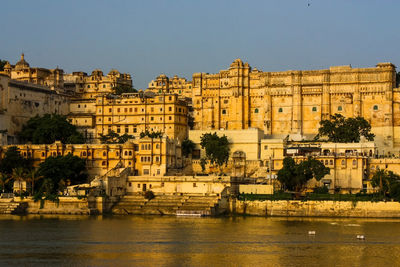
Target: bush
{"type": "Point", "coordinates": [149, 195]}
{"type": "Point", "coordinates": [321, 190]}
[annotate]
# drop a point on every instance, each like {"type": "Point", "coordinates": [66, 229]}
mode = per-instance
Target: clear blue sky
{"type": "Point", "coordinates": [146, 38]}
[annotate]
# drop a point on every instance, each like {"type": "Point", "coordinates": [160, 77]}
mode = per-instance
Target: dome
{"type": "Point", "coordinates": [22, 63]}
{"type": "Point", "coordinates": [7, 65]}
{"type": "Point", "coordinates": [114, 72]}
{"type": "Point", "coordinates": [237, 63]}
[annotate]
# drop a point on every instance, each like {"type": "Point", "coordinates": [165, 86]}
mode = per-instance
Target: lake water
{"type": "Point", "coordinates": [174, 241]}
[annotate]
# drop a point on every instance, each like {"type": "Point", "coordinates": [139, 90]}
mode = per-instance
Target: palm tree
{"type": "Point", "coordinates": [4, 180]}
{"type": "Point", "coordinates": [33, 177]}
{"type": "Point", "coordinates": [19, 175]}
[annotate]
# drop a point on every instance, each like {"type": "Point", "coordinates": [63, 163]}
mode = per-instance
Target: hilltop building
{"type": "Point", "coordinates": [137, 112]}
{"type": "Point", "coordinates": [164, 85]}
{"type": "Point", "coordinates": [90, 86]}
{"type": "Point", "coordinates": [20, 101]}
{"type": "Point", "coordinates": [21, 71]}
{"type": "Point", "coordinates": [294, 102]}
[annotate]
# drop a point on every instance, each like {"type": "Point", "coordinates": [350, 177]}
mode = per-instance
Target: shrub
{"type": "Point", "coordinates": [149, 195]}
{"type": "Point", "coordinates": [321, 190]}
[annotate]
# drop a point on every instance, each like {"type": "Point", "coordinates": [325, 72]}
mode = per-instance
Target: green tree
{"type": "Point", "coordinates": [190, 121]}
{"type": "Point", "coordinates": [2, 63]}
{"type": "Point", "coordinates": [203, 163]}
{"type": "Point", "coordinates": [341, 130]}
{"type": "Point", "coordinates": [295, 176]}
{"type": "Point", "coordinates": [4, 181]}
{"type": "Point", "coordinates": [386, 181]}
{"type": "Point", "coordinates": [59, 171]}
{"type": "Point", "coordinates": [13, 159]}
{"type": "Point", "coordinates": [217, 148]}
{"type": "Point", "coordinates": [50, 128]}
{"type": "Point", "coordinates": [122, 89]}
{"type": "Point", "coordinates": [114, 138]}
{"type": "Point", "coordinates": [187, 147]}
{"type": "Point", "coordinates": [32, 177]}
{"type": "Point", "coordinates": [146, 133]}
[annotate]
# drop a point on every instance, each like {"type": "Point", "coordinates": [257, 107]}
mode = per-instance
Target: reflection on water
{"type": "Point", "coordinates": [172, 241]}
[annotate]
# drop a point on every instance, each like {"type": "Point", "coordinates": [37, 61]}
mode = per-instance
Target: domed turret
{"type": "Point", "coordinates": [22, 64]}
{"type": "Point", "coordinates": [237, 63]}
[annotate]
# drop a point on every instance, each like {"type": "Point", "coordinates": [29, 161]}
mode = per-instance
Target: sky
{"type": "Point", "coordinates": [180, 37]}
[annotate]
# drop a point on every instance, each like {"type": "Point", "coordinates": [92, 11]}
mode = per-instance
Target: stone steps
{"type": "Point", "coordinates": [167, 204]}
{"type": "Point", "coordinates": [12, 207]}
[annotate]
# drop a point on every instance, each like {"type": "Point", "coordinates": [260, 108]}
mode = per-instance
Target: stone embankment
{"type": "Point", "coordinates": [168, 205]}
{"type": "Point", "coordinates": [201, 205]}
{"type": "Point", "coordinates": [64, 205]}
{"type": "Point", "coordinates": [294, 208]}
{"type": "Point", "coordinates": [8, 206]}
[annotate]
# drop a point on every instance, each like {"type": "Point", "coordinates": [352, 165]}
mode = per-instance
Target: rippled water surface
{"type": "Point", "coordinates": [173, 241]}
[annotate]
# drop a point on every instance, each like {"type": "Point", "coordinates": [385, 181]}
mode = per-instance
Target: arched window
{"type": "Point", "coordinates": [280, 110]}
{"type": "Point", "coordinates": [256, 110]}
{"type": "Point", "coordinates": [314, 109]}
{"type": "Point", "coordinates": [375, 107]}
{"type": "Point", "coordinates": [339, 108]}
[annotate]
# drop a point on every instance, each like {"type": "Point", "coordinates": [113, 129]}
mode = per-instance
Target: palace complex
{"type": "Point", "coordinates": [265, 115]}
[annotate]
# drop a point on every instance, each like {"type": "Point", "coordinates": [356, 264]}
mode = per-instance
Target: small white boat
{"type": "Point", "coordinates": [361, 237]}
{"type": "Point", "coordinates": [311, 232]}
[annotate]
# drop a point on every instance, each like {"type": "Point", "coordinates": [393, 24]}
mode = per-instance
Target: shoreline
{"type": "Point", "coordinates": [229, 208]}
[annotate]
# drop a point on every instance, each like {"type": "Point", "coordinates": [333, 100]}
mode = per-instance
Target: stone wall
{"type": "Point", "coordinates": [65, 205]}
{"type": "Point", "coordinates": [293, 208]}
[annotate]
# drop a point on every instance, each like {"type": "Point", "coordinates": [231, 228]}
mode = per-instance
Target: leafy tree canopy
{"type": "Point", "coordinates": [60, 171]}
{"type": "Point", "coordinates": [187, 147]}
{"type": "Point", "coordinates": [294, 176]}
{"type": "Point", "coordinates": [50, 128]}
{"type": "Point", "coordinates": [114, 138]}
{"type": "Point", "coordinates": [2, 63]}
{"type": "Point", "coordinates": [12, 159]}
{"type": "Point", "coordinates": [158, 134]}
{"type": "Point", "coordinates": [217, 148]}
{"type": "Point", "coordinates": [190, 122]}
{"type": "Point", "coordinates": [388, 183]}
{"type": "Point", "coordinates": [122, 89]}
{"type": "Point", "coordinates": [341, 130]}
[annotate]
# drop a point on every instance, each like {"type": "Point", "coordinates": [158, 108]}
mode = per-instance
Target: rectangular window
{"type": "Point", "coordinates": [146, 171]}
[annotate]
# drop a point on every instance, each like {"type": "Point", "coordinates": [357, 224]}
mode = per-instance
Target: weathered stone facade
{"type": "Point", "coordinates": [144, 156]}
{"type": "Point", "coordinates": [21, 71]}
{"type": "Point", "coordinates": [294, 102]}
{"type": "Point", "coordinates": [135, 113]}
{"type": "Point", "coordinates": [20, 101]}
{"type": "Point", "coordinates": [90, 86]}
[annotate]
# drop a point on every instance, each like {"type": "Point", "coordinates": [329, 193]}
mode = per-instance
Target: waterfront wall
{"type": "Point", "coordinates": [65, 205]}
{"type": "Point", "coordinates": [293, 208]}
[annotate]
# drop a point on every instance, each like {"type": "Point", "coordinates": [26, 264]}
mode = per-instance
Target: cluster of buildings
{"type": "Point", "coordinates": [265, 115]}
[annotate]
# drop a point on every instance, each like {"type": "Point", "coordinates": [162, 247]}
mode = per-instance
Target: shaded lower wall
{"type": "Point", "coordinates": [66, 205]}
{"type": "Point", "coordinates": [316, 208]}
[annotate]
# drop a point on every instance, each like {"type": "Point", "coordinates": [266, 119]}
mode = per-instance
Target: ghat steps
{"type": "Point", "coordinates": [8, 206]}
{"type": "Point", "coordinates": [167, 205]}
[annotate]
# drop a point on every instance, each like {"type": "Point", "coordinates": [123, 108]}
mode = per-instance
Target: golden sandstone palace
{"type": "Point", "coordinates": [265, 115]}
